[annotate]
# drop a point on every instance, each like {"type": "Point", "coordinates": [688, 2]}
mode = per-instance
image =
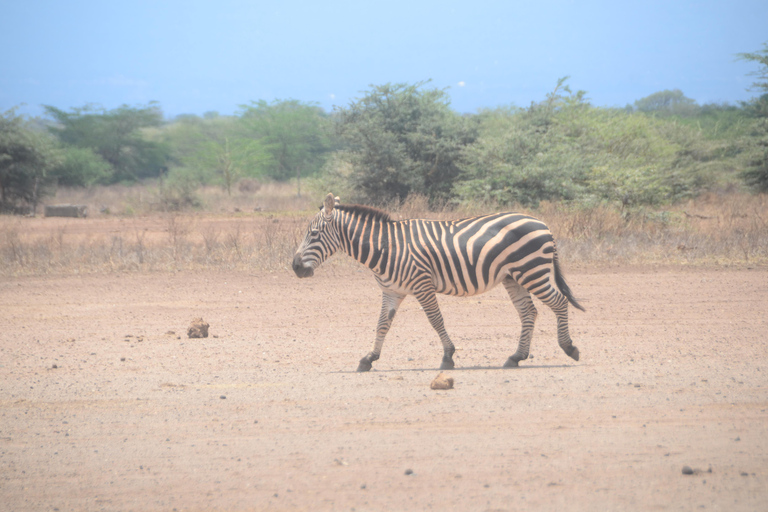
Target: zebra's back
{"type": "Point", "coordinates": [471, 256]}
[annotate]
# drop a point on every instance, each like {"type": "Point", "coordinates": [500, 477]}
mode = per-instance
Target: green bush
{"type": "Point", "coordinates": [565, 149]}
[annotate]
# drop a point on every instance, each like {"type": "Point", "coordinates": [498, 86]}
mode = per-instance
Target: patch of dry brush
{"type": "Point", "coordinates": [714, 229]}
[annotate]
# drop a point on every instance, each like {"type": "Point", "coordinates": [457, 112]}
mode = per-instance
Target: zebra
{"type": "Point", "coordinates": [462, 257]}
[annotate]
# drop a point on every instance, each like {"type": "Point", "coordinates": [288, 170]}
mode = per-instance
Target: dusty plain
{"type": "Point", "coordinates": [105, 404]}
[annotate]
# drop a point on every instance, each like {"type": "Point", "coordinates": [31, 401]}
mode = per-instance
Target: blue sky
{"type": "Point", "coordinates": [194, 56]}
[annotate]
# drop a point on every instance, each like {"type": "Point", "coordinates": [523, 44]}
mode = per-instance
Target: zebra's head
{"type": "Point", "coordinates": [320, 242]}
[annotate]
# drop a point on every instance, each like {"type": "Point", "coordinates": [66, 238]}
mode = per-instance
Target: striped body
{"type": "Point", "coordinates": [464, 258]}
{"type": "Point", "coordinates": [425, 257]}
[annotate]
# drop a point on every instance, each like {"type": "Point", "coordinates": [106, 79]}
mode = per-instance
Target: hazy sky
{"type": "Point", "coordinates": [195, 56]}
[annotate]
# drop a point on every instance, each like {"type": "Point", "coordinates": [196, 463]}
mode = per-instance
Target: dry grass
{"type": "Point", "coordinates": [260, 231]}
{"type": "Point", "coordinates": [713, 229]}
{"type": "Point", "coordinates": [161, 242]}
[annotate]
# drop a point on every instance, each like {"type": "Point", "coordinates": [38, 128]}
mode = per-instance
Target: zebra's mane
{"type": "Point", "coordinates": [358, 209]}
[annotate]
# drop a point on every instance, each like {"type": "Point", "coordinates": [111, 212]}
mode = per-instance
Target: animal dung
{"type": "Point", "coordinates": [198, 329]}
{"type": "Point", "coordinates": [442, 381]}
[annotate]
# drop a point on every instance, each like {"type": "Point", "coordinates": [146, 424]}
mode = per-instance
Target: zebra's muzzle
{"type": "Point", "coordinates": [300, 269]}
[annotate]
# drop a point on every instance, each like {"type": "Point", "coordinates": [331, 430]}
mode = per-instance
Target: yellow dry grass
{"type": "Point", "coordinates": [260, 230]}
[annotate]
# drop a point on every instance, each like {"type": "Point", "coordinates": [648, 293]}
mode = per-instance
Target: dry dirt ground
{"type": "Point", "coordinates": [102, 407]}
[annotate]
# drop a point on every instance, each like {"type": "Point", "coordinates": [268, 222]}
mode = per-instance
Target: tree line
{"type": "Point", "coordinates": [402, 139]}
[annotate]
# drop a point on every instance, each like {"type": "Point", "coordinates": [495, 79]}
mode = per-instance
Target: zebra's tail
{"type": "Point", "coordinates": [564, 288]}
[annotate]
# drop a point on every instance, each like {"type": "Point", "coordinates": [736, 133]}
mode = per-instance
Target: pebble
{"type": "Point", "coordinates": [687, 470]}
{"type": "Point", "coordinates": [442, 381]}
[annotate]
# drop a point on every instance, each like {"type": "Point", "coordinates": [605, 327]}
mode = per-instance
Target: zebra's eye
{"type": "Point", "coordinates": [314, 232]}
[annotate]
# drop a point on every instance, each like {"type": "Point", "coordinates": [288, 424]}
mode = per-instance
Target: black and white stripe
{"type": "Point", "coordinates": [426, 257]}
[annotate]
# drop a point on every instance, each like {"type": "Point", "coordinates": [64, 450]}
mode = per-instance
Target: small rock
{"type": "Point", "coordinates": [408, 471]}
{"type": "Point", "coordinates": [223, 397]}
{"type": "Point", "coordinates": [54, 366]}
{"type": "Point", "coordinates": [687, 470]}
{"type": "Point", "coordinates": [198, 329]}
{"type": "Point", "coordinates": [442, 381]}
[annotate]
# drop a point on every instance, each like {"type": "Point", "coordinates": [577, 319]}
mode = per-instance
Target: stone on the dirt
{"type": "Point", "coordinates": [442, 381]}
{"type": "Point", "coordinates": [687, 470]}
{"type": "Point", "coordinates": [198, 329]}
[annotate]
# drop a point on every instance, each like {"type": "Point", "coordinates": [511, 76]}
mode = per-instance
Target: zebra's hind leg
{"type": "Point", "coordinates": [389, 303]}
{"type": "Point", "coordinates": [521, 298]}
{"type": "Point", "coordinates": [563, 335]}
{"type": "Point", "coordinates": [559, 305]}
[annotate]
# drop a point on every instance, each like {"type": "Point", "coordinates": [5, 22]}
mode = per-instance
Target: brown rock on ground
{"type": "Point", "coordinates": [442, 381]}
{"type": "Point", "coordinates": [198, 329]}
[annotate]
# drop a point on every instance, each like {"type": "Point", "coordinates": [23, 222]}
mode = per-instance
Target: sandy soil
{"type": "Point", "coordinates": [105, 404]}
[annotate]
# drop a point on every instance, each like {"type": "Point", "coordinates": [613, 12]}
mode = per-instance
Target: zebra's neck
{"type": "Point", "coordinates": [365, 237]}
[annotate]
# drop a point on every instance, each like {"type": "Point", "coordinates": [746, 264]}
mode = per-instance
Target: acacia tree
{"type": "Point", "coordinates": [758, 107]}
{"type": "Point", "coordinates": [668, 102]}
{"type": "Point", "coordinates": [292, 132]}
{"type": "Point", "coordinates": [756, 174]}
{"type": "Point", "coordinates": [761, 58]}
{"type": "Point", "coordinates": [116, 136]}
{"type": "Point", "coordinates": [404, 139]}
{"type": "Point", "coordinates": [215, 149]}
{"type": "Point", "coordinates": [26, 161]}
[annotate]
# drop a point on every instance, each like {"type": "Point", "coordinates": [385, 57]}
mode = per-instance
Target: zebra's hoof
{"type": "Point", "coordinates": [364, 365]}
{"type": "Point", "coordinates": [573, 353]}
{"type": "Point", "coordinates": [511, 363]}
{"type": "Point", "coordinates": [447, 364]}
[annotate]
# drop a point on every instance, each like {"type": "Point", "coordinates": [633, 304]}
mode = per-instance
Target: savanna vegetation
{"type": "Point", "coordinates": [664, 170]}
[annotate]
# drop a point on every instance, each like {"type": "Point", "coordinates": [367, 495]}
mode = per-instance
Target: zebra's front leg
{"type": "Point", "coordinates": [428, 301]}
{"type": "Point", "coordinates": [389, 303]}
{"type": "Point", "coordinates": [521, 298]}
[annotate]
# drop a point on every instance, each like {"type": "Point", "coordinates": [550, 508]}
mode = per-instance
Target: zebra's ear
{"type": "Point", "coordinates": [328, 204]}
